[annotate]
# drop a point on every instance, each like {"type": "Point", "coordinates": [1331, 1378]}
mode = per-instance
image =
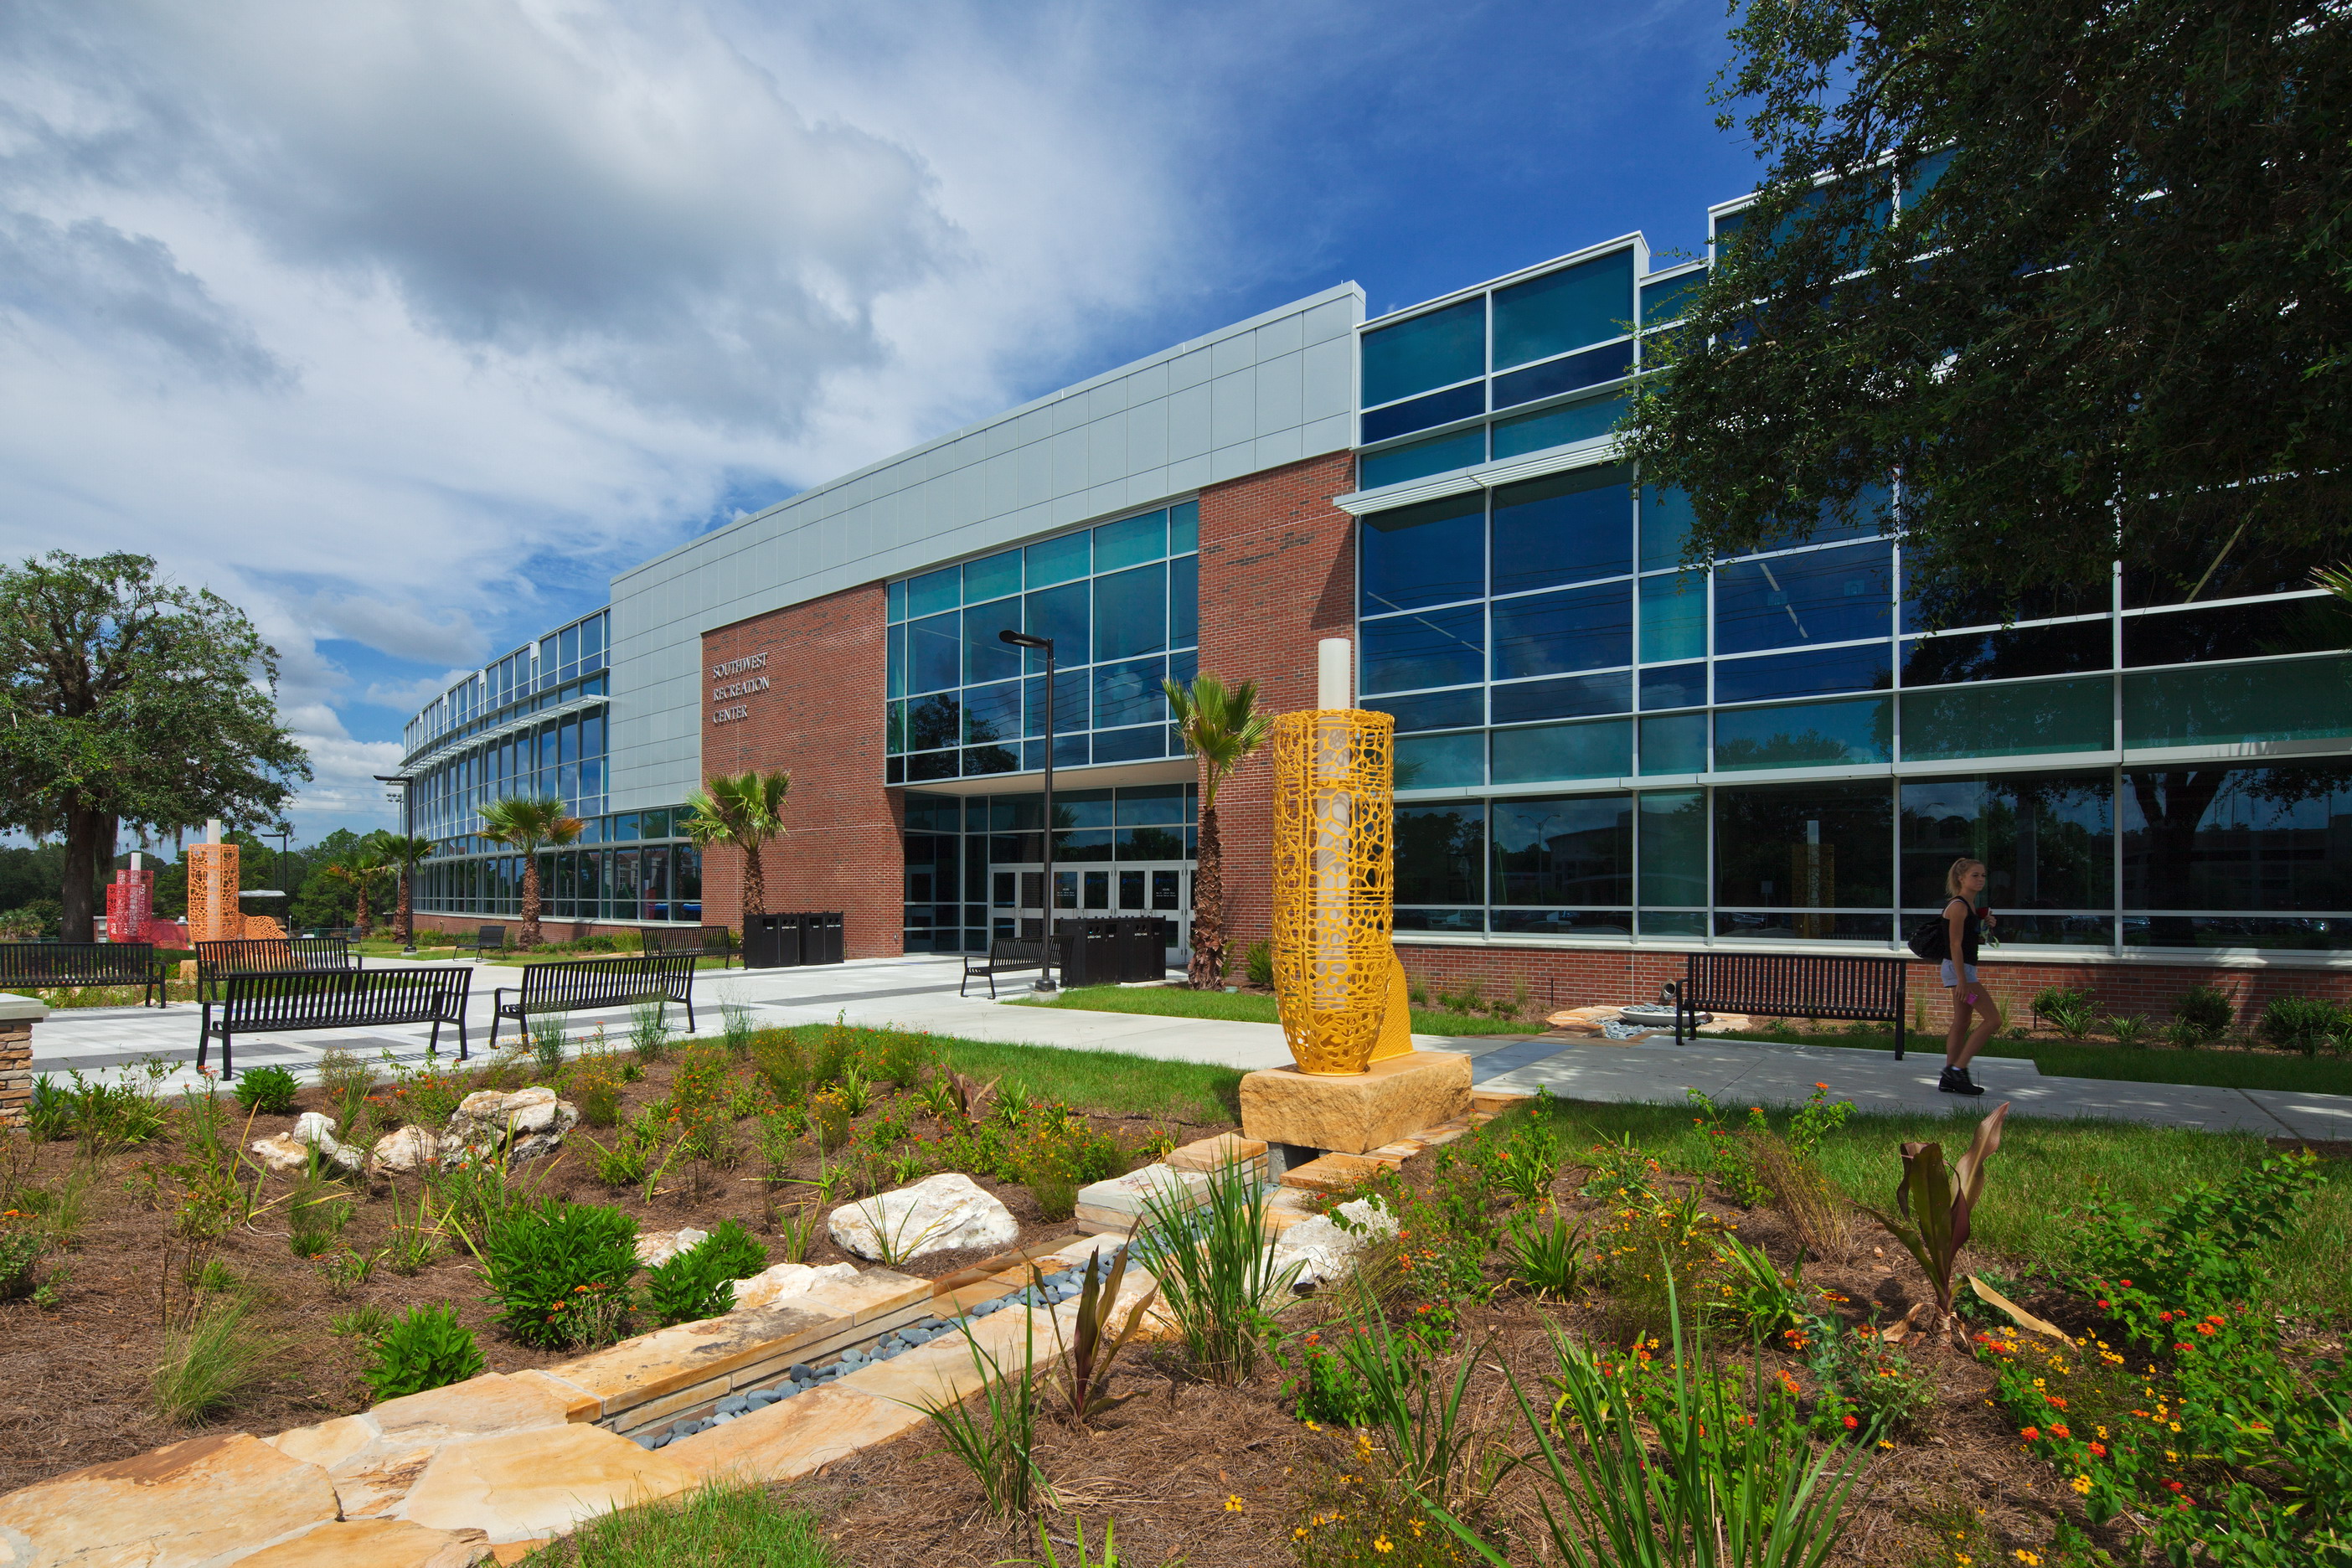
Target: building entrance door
{"type": "Point", "coordinates": [1017, 897]}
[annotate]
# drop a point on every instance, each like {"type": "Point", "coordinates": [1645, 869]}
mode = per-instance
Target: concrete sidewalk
{"type": "Point", "coordinates": [919, 992]}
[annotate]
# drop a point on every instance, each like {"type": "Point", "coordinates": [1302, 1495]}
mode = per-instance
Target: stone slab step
{"type": "Point", "coordinates": [1212, 1154]}
{"type": "Point", "coordinates": [1333, 1173]}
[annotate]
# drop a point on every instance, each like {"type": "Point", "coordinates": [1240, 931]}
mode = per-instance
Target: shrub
{"type": "Point", "coordinates": [1864, 1378]}
{"type": "Point", "coordinates": [2066, 1010]}
{"type": "Point", "coordinates": [267, 1091]}
{"type": "Point", "coordinates": [546, 1042]}
{"type": "Point", "coordinates": [1259, 962]}
{"type": "Point", "coordinates": [2303, 1023]}
{"type": "Point", "coordinates": [208, 1361]}
{"type": "Point", "coordinates": [21, 1244]}
{"type": "Point", "coordinates": [1817, 1211]}
{"type": "Point", "coordinates": [598, 1095]}
{"type": "Point", "coordinates": [346, 1077]}
{"type": "Point", "coordinates": [1656, 1255]}
{"type": "Point", "coordinates": [428, 1348]}
{"type": "Point", "coordinates": [777, 1055]}
{"type": "Point", "coordinates": [2204, 1012]}
{"type": "Point", "coordinates": [1547, 1259]}
{"type": "Point", "coordinates": [905, 1056]}
{"type": "Point", "coordinates": [2129, 1029]}
{"type": "Point", "coordinates": [554, 1268]}
{"type": "Point", "coordinates": [699, 1282]}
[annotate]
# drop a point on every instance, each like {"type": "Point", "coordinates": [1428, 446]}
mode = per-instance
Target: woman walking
{"type": "Point", "coordinates": [1964, 883]}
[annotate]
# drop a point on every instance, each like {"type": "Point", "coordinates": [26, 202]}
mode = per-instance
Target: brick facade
{"type": "Point", "coordinates": [821, 719]}
{"type": "Point", "coordinates": [1277, 574]}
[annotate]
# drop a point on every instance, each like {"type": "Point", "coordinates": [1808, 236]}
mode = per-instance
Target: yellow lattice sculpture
{"type": "Point", "coordinates": [1333, 884]}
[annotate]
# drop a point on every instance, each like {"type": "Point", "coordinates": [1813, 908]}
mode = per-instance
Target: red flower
{"type": "Point", "coordinates": [1850, 1423]}
{"type": "Point", "coordinates": [2204, 1328]}
{"type": "Point", "coordinates": [2126, 1284]}
{"type": "Point", "coordinates": [2104, 1303]}
{"type": "Point", "coordinates": [2172, 1486]}
{"type": "Point", "coordinates": [2032, 1434]}
{"type": "Point", "coordinates": [2164, 1317]}
{"type": "Point", "coordinates": [2060, 1431]}
{"type": "Point", "coordinates": [2098, 1450]}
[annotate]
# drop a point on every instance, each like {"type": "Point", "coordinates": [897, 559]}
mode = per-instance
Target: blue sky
{"type": "Point", "coordinates": [403, 326]}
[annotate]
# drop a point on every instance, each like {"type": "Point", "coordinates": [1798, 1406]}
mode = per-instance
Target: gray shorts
{"type": "Point", "coordinates": [1948, 979]}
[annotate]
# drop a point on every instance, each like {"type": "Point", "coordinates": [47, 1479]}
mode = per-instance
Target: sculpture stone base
{"type": "Point", "coordinates": [1353, 1115]}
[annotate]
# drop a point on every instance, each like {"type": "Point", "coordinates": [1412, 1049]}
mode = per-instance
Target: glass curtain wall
{"type": "Point", "coordinates": [955, 896]}
{"type": "Point", "coordinates": [634, 866]}
{"type": "Point", "coordinates": [1121, 602]}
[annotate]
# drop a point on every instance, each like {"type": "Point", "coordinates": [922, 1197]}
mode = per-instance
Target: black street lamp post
{"type": "Point", "coordinates": [1046, 953]}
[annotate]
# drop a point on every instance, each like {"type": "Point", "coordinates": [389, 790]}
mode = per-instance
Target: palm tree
{"type": "Point", "coordinates": [746, 810]}
{"type": "Point", "coordinates": [403, 851]}
{"type": "Point", "coordinates": [1222, 726]}
{"type": "Point", "coordinates": [359, 866]}
{"type": "Point", "coordinates": [524, 825]}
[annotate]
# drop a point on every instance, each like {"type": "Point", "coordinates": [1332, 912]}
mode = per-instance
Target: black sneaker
{"type": "Point", "coordinates": [1955, 1080]}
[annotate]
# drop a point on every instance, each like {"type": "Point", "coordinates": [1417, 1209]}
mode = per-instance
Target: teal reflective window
{"type": "Point", "coordinates": [2009, 720]}
{"type": "Point", "coordinates": [1441, 762]}
{"type": "Point", "coordinates": [1600, 750]}
{"type": "Point", "coordinates": [1564, 528]}
{"type": "Point", "coordinates": [987, 655]}
{"type": "Point", "coordinates": [1674, 618]}
{"type": "Point", "coordinates": [1184, 601]}
{"type": "Point", "coordinates": [1441, 854]}
{"type": "Point", "coordinates": [1432, 553]}
{"type": "Point", "coordinates": [1573, 851]}
{"type": "Point", "coordinates": [1667, 298]}
{"type": "Point", "coordinates": [1665, 523]}
{"type": "Point", "coordinates": [1564, 309]}
{"type": "Point", "coordinates": [894, 732]}
{"type": "Point", "coordinates": [992, 713]}
{"type": "Point", "coordinates": [897, 661]}
{"type": "Point", "coordinates": [2265, 839]}
{"type": "Point", "coordinates": [1672, 848]}
{"type": "Point", "coordinates": [1053, 560]}
{"type": "Point", "coordinates": [1430, 649]}
{"type": "Point", "coordinates": [1130, 541]}
{"type": "Point", "coordinates": [1432, 709]}
{"type": "Point", "coordinates": [935, 590]}
{"type": "Point", "coordinates": [2286, 700]}
{"type": "Point", "coordinates": [1418, 460]}
{"type": "Point", "coordinates": [1842, 595]}
{"type": "Point", "coordinates": [1132, 613]}
{"type": "Point", "coordinates": [1429, 350]}
{"type": "Point", "coordinates": [1559, 426]}
{"type": "Point", "coordinates": [1571, 697]}
{"type": "Point", "coordinates": [1675, 743]}
{"type": "Point", "coordinates": [1558, 633]}
{"type": "Point", "coordinates": [1183, 527]}
{"type": "Point", "coordinates": [992, 577]}
{"type": "Point", "coordinates": [2047, 840]}
{"type": "Point", "coordinates": [1810, 735]}
{"type": "Point", "coordinates": [1805, 846]}
{"type": "Point", "coordinates": [1129, 692]}
{"type": "Point", "coordinates": [936, 646]}
{"type": "Point", "coordinates": [1062, 614]}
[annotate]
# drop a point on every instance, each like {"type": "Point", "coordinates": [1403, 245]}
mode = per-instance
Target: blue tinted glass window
{"type": "Point", "coordinates": [1675, 743]}
{"type": "Point", "coordinates": [1131, 745]}
{"type": "Point", "coordinates": [1441, 762]}
{"type": "Point", "coordinates": [896, 595]}
{"type": "Point", "coordinates": [1073, 703]}
{"type": "Point", "coordinates": [1676, 686]}
{"type": "Point", "coordinates": [898, 661]}
{"type": "Point", "coordinates": [1820, 734]}
{"type": "Point", "coordinates": [1433, 709]}
{"type": "Point", "coordinates": [1551, 751]}
{"type": "Point", "coordinates": [1666, 299]}
{"type": "Point", "coordinates": [1184, 601]}
{"type": "Point", "coordinates": [1424, 554]}
{"type": "Point", "coordinates": [992, 578]}
{"type": "Point", "coordinates": [1566, 527]}
{"type": "Point", "coordinates": [1829, 595]}
{"type": "Point", "coordinates": [568, 646]}
{"type": "Point", "coordinates": [986, 655]}
{"type": "Point", "coordinates": [1183, 527]}
{"type": "Point", "coordinates": [1559, 426]}
{"type": "Point", "coordinates": [1132, 613]}
{"type": "Point", "coordinates": [1441, 854]}
{"type": "Point", "coordinates": [592, 638]}
{"type": "Point", "coordinates": [1553, 633]}
{"type": "Point", "coordinates": [1673, 618]}
{"type": "Point", "coordinates": [992, 713]}
{"type": "Point", "coordinates": [1060, 613]}
{"type": "Point", "coordinates": [1059, 560]}
{"type": "Point", "coordinates": [935, 590]}
{"type": "Point", "coordinates": [1432, 351]}
{"type": "Point", "coordinates": [1816, 672]}
{"type": "Point", "coordinates": [1564, 309]}
{"type": "Point", "coordinates": [1130, 541]}
{"type": "Point", "coordinates": [1142, 805]}
{"type": "Point", "coordinates": [933, 722]}
{"type": "Point", "coordinates": [936, 645]}
{"type": "Point", "coordinates": [1129, 693]}
{"type": "Point", "coordinates": [895, 728]}
{"type": "Point", "coordinates": [1423, 413]}
{"type": "Point", "coordinates": [1419, 460]}
{"type": "Point", "coordinates": [1665, 523]}
{"type": "Point", "coordinates": [1571, 697]}
{"type": "Point", "coordinates": [1574, 851]}
{"type": "Point", "coordinates": [1614, 361]}
{"type": "Point", "coordinates": [1433, 648]}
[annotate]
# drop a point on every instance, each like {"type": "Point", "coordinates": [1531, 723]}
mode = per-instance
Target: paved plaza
{"type": "Point", "coordinates": [920, 993]}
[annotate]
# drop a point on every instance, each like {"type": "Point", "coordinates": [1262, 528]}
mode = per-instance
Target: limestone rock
{"type": "Point", "coordinates": [946, 1213]}
{"type": "Point", "coordinates": [405, 1149]}
{"type": "Point", "coordinates": [188, 1503]}
{"type": "Point", "coordinates": [1323, 1251]}
{"type": "Point", "coordinates": [789, 1284]}
{"type": "Point", "coordinates": [1360, 1112]}
{"type": "Point", "coordinates": [484, 1120]}
{"type": "Point", "coordinates": [373, 1543]}
{"type": "Point", "coordinates": [291, 1151]}
{"type": "Point", "coordinates": [656, 1248]}
{"type": "Point", "coordinates": [521, 1485]}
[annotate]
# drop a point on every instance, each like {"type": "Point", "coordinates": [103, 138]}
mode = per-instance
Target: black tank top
{"type": "Point", "coordinates": [1970, 931]}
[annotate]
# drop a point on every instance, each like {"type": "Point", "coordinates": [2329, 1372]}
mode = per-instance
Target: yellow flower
{"type": "Point", "coordinates": [1382, 1544]}
{"type": "Point", "coordinates": [2083, 1484]}
{"type": "Point", "coordinates": [2030, 1559]}
{"type": "Point", "coordinates": [1233, 1505]}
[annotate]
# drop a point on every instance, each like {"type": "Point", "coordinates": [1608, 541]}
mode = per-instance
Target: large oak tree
{"type": "Point", "coordinates": [126, 699]}
{"type": "Point", "coordinates": [2109, 313]}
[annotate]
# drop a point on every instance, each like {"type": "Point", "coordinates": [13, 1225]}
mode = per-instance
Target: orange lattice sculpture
{"type": "Point", "coordinates": [213, 913]}
{"type": "Point", "coordinates": [1333, 884]}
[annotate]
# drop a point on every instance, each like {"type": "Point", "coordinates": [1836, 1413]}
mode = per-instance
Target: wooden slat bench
{"type": "Point", "coordinates": [1865, 989]}
{"type": "Point", "coordinates": [570, 985]}
{"type": "Point", "coordinates": [271, 1002]}
{"type": "Point", "coordinates": [269, 955]}
{"type": "Point", "coordinates": [1006, 955]}
{"type": "Point", "coordinates": [42, 963]}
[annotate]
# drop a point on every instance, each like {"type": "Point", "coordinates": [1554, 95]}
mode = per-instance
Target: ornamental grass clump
{"type": "Point", "coordinates": [559, 1272]}
{"type": "Point", "coordinates": [1216, 1272]}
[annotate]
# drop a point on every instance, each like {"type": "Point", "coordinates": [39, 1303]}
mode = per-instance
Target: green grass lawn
{"type": "Point", "coordinates": [1248, 1008]}
{"type": "Point", "coordinates": [2043, 1170]}
{"type": "Point", "coordinates": [723, 1525]}
{"type": "Point", "coordinates": [1104, 1082]}
{"type": "Point", "coordinates": [2065, 1059]}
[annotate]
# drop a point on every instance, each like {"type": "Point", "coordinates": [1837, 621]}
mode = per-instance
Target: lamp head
{"type": "Point", "coordinates": [1023, 640]}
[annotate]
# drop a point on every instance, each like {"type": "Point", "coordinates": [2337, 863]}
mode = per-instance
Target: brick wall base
{"type": "Point", "coordinates": [550, 929]}
{"type": "Point", "coordinates": [15, 1072]}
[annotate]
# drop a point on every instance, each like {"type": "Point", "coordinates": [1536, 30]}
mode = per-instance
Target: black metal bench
{"type": "Point", "coordinates": [1006, 955]}
{"type": "Point", "coordinates": [270, 1003]}
{"type": "Point", "coordinates": [489, 938]}
{"type": "Point", "coordinates": [269, 955]}
{"type": "Point", "coordinates": [1864, 988]}
{"type": "Point", "coordinates": [43, 964]}
{"type": "Point", "coordinates": [705, 941]}
{"type": "Point", "coordinates": [572, 984]}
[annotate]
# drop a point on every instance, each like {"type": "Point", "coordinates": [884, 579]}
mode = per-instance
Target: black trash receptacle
{"type": "Point", "coordinates": [772, 942]}
{"type": "Point", "coordinates": [821, 937]}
